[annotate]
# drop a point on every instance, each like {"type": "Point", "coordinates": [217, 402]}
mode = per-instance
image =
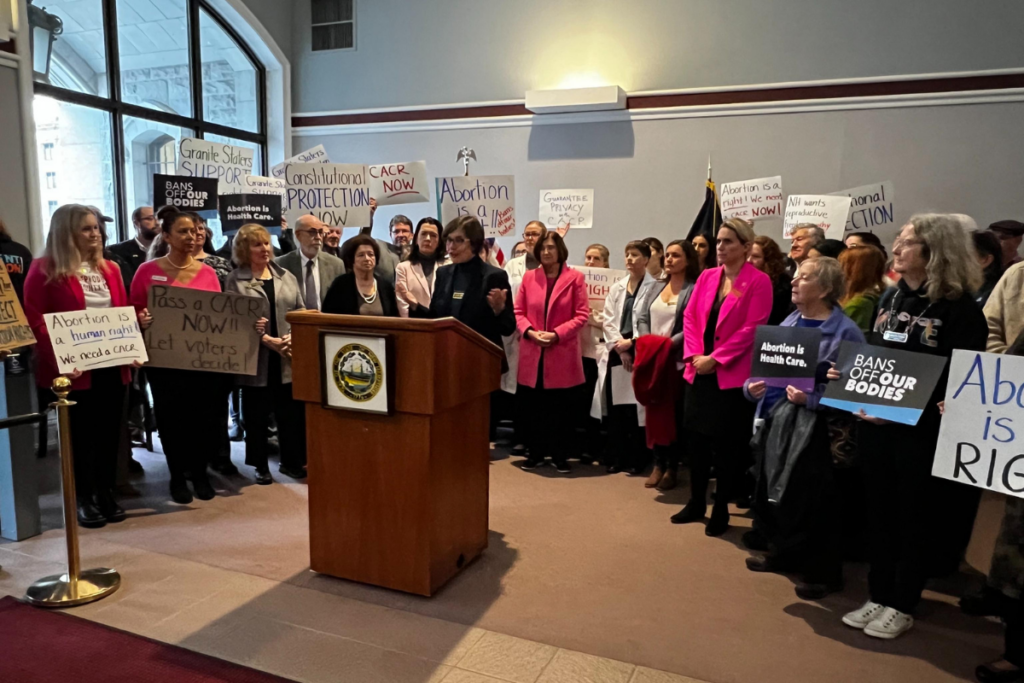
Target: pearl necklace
{"type": "Point", "coordinates": [373, 295]}
{"type": "Point", "coordinates": [175, 265]}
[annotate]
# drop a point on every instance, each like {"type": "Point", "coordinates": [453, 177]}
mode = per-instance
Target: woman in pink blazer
{"type": "Point", "coordinates": [73, 276]}
{"type": "Point", "coordinates": [551, 309]}
{"type": "Point", "coordinates": [727, 305]}
{"type": "Point", "coordinates": [416, 276]}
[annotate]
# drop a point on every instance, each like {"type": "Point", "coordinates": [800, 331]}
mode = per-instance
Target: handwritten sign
{"type": "Point", "coordinates": [828, 212]}
{"type": "Point", "coordinates": [492, 199]}
{"type": "Point", "coordinates": [399, 183]}
{"type": "Point", "coordinates": [95, 338]}
{"type": "Point", "coordinates": [786, 356]}
{"type": "Point", "coordinates": [208, 331]}
{"type": "Point", "coordinates": [188, 194]}
{"type": "Point", "coordinates": [238, 209]}
{"type": "Point", "coordinates": [567, 208]}
{"type": "Point", "coordinates": [205, 159]}
{"type": "Point", "coordinates": [752, 200]}
{"type": "Point", "coordinates": [255, 184]}
{"type": "Point", "coordinates": [14, 328]}
{"type": "Point", "coordinates": [871, 208]}
{"type": "Point", "coordinates": [337, 194]}
{"type": "Point", "coordinates": [599, 281]}
{"type": "Point", "coordinates": [317, 155]}
{"type": "Point", "coordinates": [978, 440]}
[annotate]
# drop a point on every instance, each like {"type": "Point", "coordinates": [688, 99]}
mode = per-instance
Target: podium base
{"type": "Point", "coordinates": [56, 590]}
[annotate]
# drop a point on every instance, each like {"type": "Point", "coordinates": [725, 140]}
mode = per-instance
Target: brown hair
{"type": "Point", "coordinates": [864, 270]}
{"type": "Point", "coordinates": [603, 250]}
{"type": "Point", "coordinates": [349, 249]}
{"type": "Point", "coordinates": [241, 248]}
{"type": "Point", "coordinates": [774, 261]}
{"type": "Point", "coordinates": [470, 225]}
{"type": "Point", "coordinates": [556, 239]}
{"type": "Point", "coordinates": [641, 246]}
{"type": "Point", "coordinates": [692, 270]}
{"type": "Point", "coordinates": [656, 246]}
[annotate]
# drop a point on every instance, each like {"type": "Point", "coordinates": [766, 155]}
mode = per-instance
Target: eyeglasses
{"type": "Point", "coordinates": [314, 233]}
{"type": "Point", "coordinates": [458, 241]}
{"type": "Point", "coordinates": [905, 243]}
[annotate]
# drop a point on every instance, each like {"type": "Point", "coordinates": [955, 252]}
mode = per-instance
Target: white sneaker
{"type": "Point", "coordinates": [889, 624]}
{"type": "Point", "coordinates": [868, 612]}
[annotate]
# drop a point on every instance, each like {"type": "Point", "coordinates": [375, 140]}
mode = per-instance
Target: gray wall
{"type": "Point", "coordinates": [276, 17]}
{"type": "Point", "coordinates": [13, 188]}
{"type": "Point", "coordinates": [418, 52]}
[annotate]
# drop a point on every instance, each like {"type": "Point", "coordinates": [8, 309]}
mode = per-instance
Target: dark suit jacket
{"type": "Point", "coordinates": [343, 298]}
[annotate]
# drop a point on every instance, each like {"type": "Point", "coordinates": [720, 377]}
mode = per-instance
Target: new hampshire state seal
{"type": "Point", "coordinates": [357, 372]}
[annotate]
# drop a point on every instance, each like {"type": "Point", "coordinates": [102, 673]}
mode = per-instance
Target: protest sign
{"type": "Point", "coordinates": [871, 209]}
{"type": "Point", "coordinates": [978, 443]}
{"type": "Point", "coordinates": [887, 383]}
{"type": "Point", "coordinates": [238, 209]}
{"type": "Point", "coordinates": [317, 155]}
{"type": "Point", "coordinates": [14, 328]}
{"type": "Point", "coordinates": [599, 281]}
{"type": "Point", "coordinates": [254, 184]}
{"type": "Point", "coordinates": [209, 331]}
{"type": "Point", "coordinates": [492, 199]}
{"type": "Point", "coordinates": [828, 212]}
{"type": "Point", "coordinates": [188, 194]}
{"type": "Point", "coordinates": [337, 194]}
{"type": "Point", "coordinates": [399, 183]}
{"type": "Point", "coordinates": [95, 338]}
{"type": "Point", "coordinates": [205, 159]}
{"type": "Point", "coordinates": [752, 200]}
{"type": "Point", "coordinates": [567, 208]}
{"type": "Point", "coordinates": [786, 356]}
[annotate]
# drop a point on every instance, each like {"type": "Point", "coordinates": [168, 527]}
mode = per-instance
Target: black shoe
{"type": "Point", "coordinates": [180, 492]}
{"type": "Point", "coordinates": [768, 564]}
{"type": "Point", "coordinates": [531, 464]}
{"type": "Point", "coordinates": [203, 488]}
{"type": "Point", "coordinates": [263, 478]}
{"type": "Point", "coordinates": [135, 467]}
{"type": "Point", "coordinates": [563, 467]}
{"type": "Point", "coordinates": [293, 472]}
{"type": "Point", "coordinates": [224, 467]}
{"type": "Point", "coordinates": [816, 591]}
{"type": "Point", "coordinates": [518, 449]}
{"type": "Point", "coordinates": [989, 673]}
{"type": "Point", "coordinates": [754, 540]}
{"type": "Point", "coordinates": [613, 469]}
{"type": "Point", "coordinates": [109, 508]}
{"type": "Point", "coordinates": [235, 432]}
{"type": "Point", "coordinates": [718, 524]}
{"type": "Point", "coordinates": [690, 513]}
{"type": "Point", "coordinates": [90, 516]}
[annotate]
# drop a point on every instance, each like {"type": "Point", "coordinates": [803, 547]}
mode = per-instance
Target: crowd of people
{"type": "Point", "coordinates": [655, 380]}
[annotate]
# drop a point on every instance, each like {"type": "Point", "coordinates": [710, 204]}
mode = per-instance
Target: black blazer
{"type": "Point", "coordinates": [344, 298]}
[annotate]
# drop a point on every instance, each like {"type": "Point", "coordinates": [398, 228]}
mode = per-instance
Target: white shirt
{"type": "Point", "coordinates": [316, 276]}
{"type": "Point", "coordinates": [663, 316]}
{"type": "Point", "coordinates": [94, 286]}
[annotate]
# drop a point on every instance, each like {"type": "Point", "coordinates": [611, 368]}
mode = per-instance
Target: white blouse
{"type": "Point", "coordinates": [663, 316]}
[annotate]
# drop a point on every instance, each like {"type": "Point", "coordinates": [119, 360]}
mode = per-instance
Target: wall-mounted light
{"type": "Point", "coordinates": [43, 31]}
{"type": "Point", "coordinates": [576, 99]}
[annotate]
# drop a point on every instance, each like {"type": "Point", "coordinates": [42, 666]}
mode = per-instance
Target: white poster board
{"type": "Point", "coordinates": [871, 210]}
{"type": "Point", "coordinates": [254, 184]}
{"type": "Point", "coordinates": [95, 338]}
{"type": "Point", "coordinates": [828, 212]}
{"type": "Point", "coordinates": [567, 208]}
{"type": "Point", "coordinates": [337, 194]}
{"type": "Point", "coordinates": [752, 200]}
{"type": "Point", "coordinates": [404, 183]}
{"type": "Point", "coordinates": [983, 426]}
{"type": "Point", "coordinates": [492, 199]}
{"type": "Point", "coordinates": [317, 155]}
{"type": "Point", "coordinates": [355, 371]}
{"type": "Point", "coordinates": [599, 281]}
{"type": "Point", "coordinates": [204, 159]}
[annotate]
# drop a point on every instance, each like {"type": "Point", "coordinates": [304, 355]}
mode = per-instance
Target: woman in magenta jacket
{"type": "Point", "coordinates": [727, 305]}
{"type": "Point", "coordinates": [551, 309]}
{"type": "Point", "coordinates": [72, 275]}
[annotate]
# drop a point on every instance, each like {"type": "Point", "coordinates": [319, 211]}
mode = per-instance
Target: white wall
{"type": "Point", "coordinates": [14, 208]}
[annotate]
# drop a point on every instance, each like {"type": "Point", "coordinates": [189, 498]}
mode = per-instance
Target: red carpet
{"type": "Point", "coordinates": [39, 646]}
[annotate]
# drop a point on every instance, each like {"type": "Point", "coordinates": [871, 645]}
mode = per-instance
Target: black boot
{"type": "Point", "coordinates": [89, 515]}
{"type": "Point", "coordinates": [693, 512]}
{"type": "Point", "coordinates": [109, 508]}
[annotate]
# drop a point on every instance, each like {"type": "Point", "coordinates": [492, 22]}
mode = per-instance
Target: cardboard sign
{"type": "Point", "coordinates": [208, 331]}
{"type": "Point", "coordinates": [238, 209]}
{"type": "Point", "coordinates": [188, 194]}
{"type": "Point", "coordinates": [786, 356]}
{"type": "Point", "coordinates": [871, 209]}
{"type": "Point", "coordinates": [317, 155]}
{"type": "Point", "coordinates": [406, 183]}
{"type": "Point", "coordinates": [828, 212]}
{"type": "Point", "coordinates": [14, 328]}
{"type": "Point", "coordinates": [95, 338]}
{"type": "Point", "coordinates": [983, 427]}
{"type": "Point", "coordinates": [254, 184]}
{"type": "Point", "coordinates": [599, 281]}
{"type": "Point", "coordinates": [204, 159]}
{"type": "Point", "coordinates": [752, 200]}
{"type": "Point", "coordinates": [567, 208]}
{"type": "Point", "coordinates": [492, 199]}
{"type": "Point", "coordinates": [887, 383]}
{"type": "Point", "coordinates": [337, 194]}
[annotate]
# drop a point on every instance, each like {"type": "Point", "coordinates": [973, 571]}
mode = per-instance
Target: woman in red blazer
{"type": "Point", "coordinates": [727, 305]}
{"type": "Point", "coordinates": [551, 309]}
{"type": "Point", "coordinates": [72, 275]}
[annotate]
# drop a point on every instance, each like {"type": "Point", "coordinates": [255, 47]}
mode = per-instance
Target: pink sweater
{"type": "Point", "coordinates": [149, 274]}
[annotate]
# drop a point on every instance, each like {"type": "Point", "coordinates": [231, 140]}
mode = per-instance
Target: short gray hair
{"type": "Point", "coordinates": [816, 233]}
{"type": "Point", "coordinates": [830, 277]}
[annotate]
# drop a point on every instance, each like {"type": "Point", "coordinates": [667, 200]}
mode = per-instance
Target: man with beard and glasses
{"type": "Point", "coordinates": [132, 252]}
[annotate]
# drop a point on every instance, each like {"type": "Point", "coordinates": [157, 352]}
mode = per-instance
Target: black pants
{"type": "Point", "coordinates": [626, 438]}
{"type": "Point", "coordinates": [588, 428]}
{"type": "Point", "coordinates": [728, 451]}
{"type": "Point", "coordinates": [1015, 636]}
{"type": "Point", "coordinates": [549, 430]}
{"type": "Point", "coordinates": [222, 455]}
{"type": "Point", "coordinates": [186, 404]}
{"type": "Point", "coordinates": [96, 432]}
{"type": "Point", "coordinates": [257, 405]}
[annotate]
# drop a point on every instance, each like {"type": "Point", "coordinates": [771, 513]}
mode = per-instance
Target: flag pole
{"type": "Point", "coordinates": [714, 208]}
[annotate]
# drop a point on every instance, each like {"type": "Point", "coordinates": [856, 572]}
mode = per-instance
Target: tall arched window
{"type": "Point", "coordinates": [128, 80]}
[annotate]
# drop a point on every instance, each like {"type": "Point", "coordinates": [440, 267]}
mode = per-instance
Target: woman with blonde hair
{"type": "Point", "coordinates": [864, 270]}
{"type": "Point", "coordinates": [72, 275]}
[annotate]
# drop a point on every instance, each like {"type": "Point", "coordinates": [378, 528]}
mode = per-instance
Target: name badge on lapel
{"type": "Point", "coordinates": [458, 295]}
{"type": "Point", "coordinates": [159, 278]}
{"type": "Point", "coordinates": [898, 337]}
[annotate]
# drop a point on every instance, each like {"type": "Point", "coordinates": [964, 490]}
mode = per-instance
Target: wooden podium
{"type": "Point", "coordinates": [398, 500]}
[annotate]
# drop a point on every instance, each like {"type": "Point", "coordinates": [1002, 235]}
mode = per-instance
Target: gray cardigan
{"type": "Point", "coordinates": [287, 297]}
{"type": "Point", "coordinates": [643, 319]}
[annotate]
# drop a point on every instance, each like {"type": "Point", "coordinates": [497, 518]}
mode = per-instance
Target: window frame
{"type": "Point", "coordinates": [118, 109]}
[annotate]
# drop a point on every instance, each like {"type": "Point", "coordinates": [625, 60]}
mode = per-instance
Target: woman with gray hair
{"type": "Point", "coordinates": [918, 524]}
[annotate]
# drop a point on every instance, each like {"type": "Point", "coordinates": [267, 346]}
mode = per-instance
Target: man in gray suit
{"type": "Point", "coordinates": [314, 269]}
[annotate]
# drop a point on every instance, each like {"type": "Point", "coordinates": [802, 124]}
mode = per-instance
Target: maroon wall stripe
{"type": "Point", "coordinates": [837, 91]}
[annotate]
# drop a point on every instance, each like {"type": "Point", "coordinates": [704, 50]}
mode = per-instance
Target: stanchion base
{"type": "Point", "coordinates": [55, 591]}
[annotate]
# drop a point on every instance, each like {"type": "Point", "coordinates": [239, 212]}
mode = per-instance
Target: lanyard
{"type": "Point", "coordinates": [892, 322]}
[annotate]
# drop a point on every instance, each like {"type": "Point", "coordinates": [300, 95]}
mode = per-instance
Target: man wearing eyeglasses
{"type": "Point", "coordinates": [314, 269]}
{"type": "Point", "coordinates": [132, 252]}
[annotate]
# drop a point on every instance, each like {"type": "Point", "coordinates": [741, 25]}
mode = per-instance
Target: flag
{"type": "Point", "coordinates": [708, 218]}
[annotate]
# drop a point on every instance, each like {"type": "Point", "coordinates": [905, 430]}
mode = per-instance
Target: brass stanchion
{"type": "Point", "coordinates": [76, 587]}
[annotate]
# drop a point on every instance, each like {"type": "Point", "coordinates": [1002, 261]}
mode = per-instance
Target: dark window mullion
{"type": "Point", "coordinates": [195, 60]}
{"type": "Point", "coordinates": [117, 131]}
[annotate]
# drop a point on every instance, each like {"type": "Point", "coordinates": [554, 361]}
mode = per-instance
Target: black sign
{"type": "Point", "coordinates": [185, 192]}
{"type": "Point", "coordinates": [786, 356]}
{"type": "Point", "coordinates": [238, 209]}
{"type": "Point", "coordinates": [886, 383]}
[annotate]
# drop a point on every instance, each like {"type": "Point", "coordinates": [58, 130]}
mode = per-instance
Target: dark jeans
{"type": "Point", "coordinates": [96, 432]}
{"type": "Point", "coordinates": [186, 406]}
{"type": "Point", "coordinates": [548, 432]}
{"type": "Point", "coordinates": [728, 452]}
{"type": "Point", "coordinates": [257, 405]}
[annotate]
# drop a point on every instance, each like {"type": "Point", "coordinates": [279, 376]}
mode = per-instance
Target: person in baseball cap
{"type": "Point", "coordinates": [1010, 234]}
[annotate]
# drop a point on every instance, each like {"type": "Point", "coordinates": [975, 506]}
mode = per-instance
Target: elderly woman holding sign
{"type": "Point", "coordinates": [799, 529]}
{"type": "Point", "coordinates": [72, 275]}
{"type": "Point", "coordinates": [917, 522]}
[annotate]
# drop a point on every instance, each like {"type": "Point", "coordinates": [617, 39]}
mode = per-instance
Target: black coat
{"type": "Point", "coordinates": [343, 297]}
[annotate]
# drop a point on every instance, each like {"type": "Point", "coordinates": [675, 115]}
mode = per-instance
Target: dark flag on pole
{"type": "Point", "coordinates": [709, 218]}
